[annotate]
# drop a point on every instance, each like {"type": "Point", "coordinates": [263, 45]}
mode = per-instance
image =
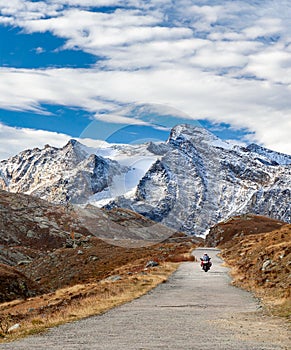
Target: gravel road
{"type": "Point", "coordinates": [193, 310]}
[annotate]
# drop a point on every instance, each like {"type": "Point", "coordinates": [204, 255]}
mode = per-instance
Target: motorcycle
{"type": "Point", "coordinates": [205, 264]}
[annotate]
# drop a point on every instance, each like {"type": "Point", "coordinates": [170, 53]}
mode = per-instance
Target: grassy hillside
{"type": "Point", "coordinates": [54, 270]}
{"type": "Point", "coordinates": [260, 262]}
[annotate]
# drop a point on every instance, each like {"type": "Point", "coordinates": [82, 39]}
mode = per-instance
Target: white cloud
{"type": "Point", "coordinates": [119, 119]}
{"type": "Point", "coordinates": [21, 10]}
{"type": "Point", "coordinates": [243, 103]}
{"type": "Point", "coordinates": [25, 89]}
{"type": "Point", "coordinates": [272, 64]}
{"type": "Point", "coordinates": [273, 134]}
{"type": "Point", "coordinates": [100, 3]}
{"type": "Point", "coordinates": [154, 54]}
{"type": "Point", "coordinates": [15, 140]}
{"type": "Point", "coordinates": [204, 16]}
{"type": "Point", "coordinates": [226, 61]}
{"type": "Point", "coordinates": [264, 27]}
{"type": "Point", "coordinates": [39, 50]}
{"type": "Point", "coordinates": [211, 58]}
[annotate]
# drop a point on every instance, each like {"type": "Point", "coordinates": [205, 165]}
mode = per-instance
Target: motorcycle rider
{"type": "Point", "coordinates": [207, 258]}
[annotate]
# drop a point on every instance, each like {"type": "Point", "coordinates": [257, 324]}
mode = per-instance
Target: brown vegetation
{"type": "Point", "coordinates": [54, 270]}
{"type": "Point", "coordinates": [240, 226]}
{"type": "Point", "coordinates": [82, 300]}
{"type": "Point", "coordinates": [260, 262]}
{"type": "Point", "coordinates": [14, 284]}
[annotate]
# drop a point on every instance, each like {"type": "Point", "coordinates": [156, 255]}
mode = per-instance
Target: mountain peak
{"type": "Point", "coordinates": [202, 179]}
{"type": "Point", "coordinates": [72, 143]}
{"type": "Point", "coordinates": [188, 129]}
{"type": "Point", "coordinates": [196, 135]}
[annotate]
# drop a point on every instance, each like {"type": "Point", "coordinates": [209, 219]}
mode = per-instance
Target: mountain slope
{"type": "Point", "coordinates": [188, 183]}
{"type": "Point", "coordinates": [260, 261]}
{"type": "Point", "coordinates": [240, 226]}
{"type": "Point", "coordinates": [46, 246]}
{"type": "Point", "coordinates": [76, 173]}
{"type": "Point", "coordinates": [202, 180]}
{"type": "Point", "coordinates": [268, 156]}
{"type": "Point", "coordinates": [68, 174]}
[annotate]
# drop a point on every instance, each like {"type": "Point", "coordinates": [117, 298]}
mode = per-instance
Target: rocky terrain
{"type": "Point", "coordinates": [59, 175]}
{"type": "Point", "coordinates": [202, 180]}
{"type": "Point", "coordinates": [53, 267]}
{"type": "Point", "coordinates": [76, 173]}
{"type": "Point", "coordinates": [188, 183]}
{"type": "Point", "coordinates": [178, 314]}
{"type": "Point", "coordinates": [29, 227]}
{"type": "Point", "coordinates": [239, 227]}
{"type": "Point", "coordinates": [259, 251]}
{"type": "Point", "coordinates": [59, 246]}
{"type": "Point", "coordinates": [14, 284]}
{"type": "Point", "coordinates": [45, 247]}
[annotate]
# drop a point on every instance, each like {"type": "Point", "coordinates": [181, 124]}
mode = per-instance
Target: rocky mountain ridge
{"type": "Point", "coordinates": [188, 183]}
{"type": "Point", "coordinates": [59, 175]}
{"type": "Point", "coordinates": [268, 156]}
{"type": "Point", "coordinates": [203, 180]}
{"type": "Point", "coordinates": [76, 173]}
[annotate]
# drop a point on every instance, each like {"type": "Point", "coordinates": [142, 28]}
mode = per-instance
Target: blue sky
{"type": "Point", "coordinates": [128, 71]}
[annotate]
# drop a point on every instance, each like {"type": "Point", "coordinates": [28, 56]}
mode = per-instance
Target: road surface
{"type": "Point", "coordinates": [193, 310]}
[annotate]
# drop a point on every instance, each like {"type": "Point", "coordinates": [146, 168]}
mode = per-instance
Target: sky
{"type": "Point", "coordinates": [127, 71]}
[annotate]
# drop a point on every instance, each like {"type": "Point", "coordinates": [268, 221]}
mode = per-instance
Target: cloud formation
{"type": "Point", "coordinates": [217, 60]}
{"type": "Point", "coordinates": [14, 140]}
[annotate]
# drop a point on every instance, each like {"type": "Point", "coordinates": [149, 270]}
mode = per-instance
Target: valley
{"type": "Point", "coordinates": [88, 229]}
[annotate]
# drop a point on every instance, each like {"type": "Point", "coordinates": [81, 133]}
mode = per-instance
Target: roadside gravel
{"type": "Point", "coordinates": [192, 310]}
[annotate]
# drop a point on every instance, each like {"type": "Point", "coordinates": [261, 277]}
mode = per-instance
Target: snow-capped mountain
{"type": "Point", "coordinates": [190, 182]}
{"type": "Point", "coordinates": [76, 173]}
{"type": "Point", "coordinates": [202, 180]}
{"type": "Point", "coordinates": [268, 156]}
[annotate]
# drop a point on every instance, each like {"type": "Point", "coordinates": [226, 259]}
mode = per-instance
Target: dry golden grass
{"type": "Point", "coordinates": [275, 302]}
{"type": "Point", "coordinates": [261, 263]}
{"type": "Point", "coordinates": [182, 257]}
{"type": "Point", "coordinates": [83, 300]}
{"type": "Point", "coordinates": [63, 276]}
{"type": "Point", "coordinates": [282, 308]}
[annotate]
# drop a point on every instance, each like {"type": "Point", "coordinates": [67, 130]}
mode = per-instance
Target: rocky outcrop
{"type": "Point", "coordinates": [15, 284]}
{"type": "Point", "coordinates": [59, 175]}
{"type": "Point", "coordinates": [44, 246]}
{"type": "Point", "coordinates": [268, 156]}
{"type": "Point", "coordinates": [261, 263]}
{"type": "Point", "coordinates": [202, 180]}
{"type": "Point", "coordinates": [29, 227]}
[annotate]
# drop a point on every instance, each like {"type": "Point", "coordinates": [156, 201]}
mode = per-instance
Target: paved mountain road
{"type": "Point", "coordinates": [193, 310]}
